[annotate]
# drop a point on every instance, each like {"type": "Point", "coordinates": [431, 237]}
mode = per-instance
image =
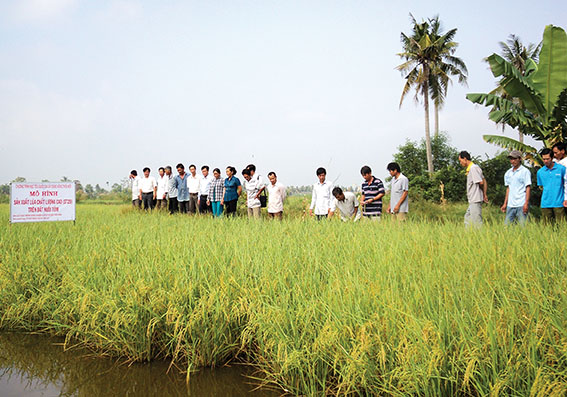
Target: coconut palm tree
{"type": "Point", "coordinates": [429, 63]}
{"type": "Point", "coordinates": [515, 52]}
{"type": "Point", "coordinates": [446, 66]}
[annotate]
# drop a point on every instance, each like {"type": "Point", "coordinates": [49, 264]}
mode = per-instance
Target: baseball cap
{"type": "Point", "coordinates": [515, 154]}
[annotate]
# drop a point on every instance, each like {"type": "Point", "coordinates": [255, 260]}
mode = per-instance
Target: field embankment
{"type": "Point", "coordinates": [419, 308]}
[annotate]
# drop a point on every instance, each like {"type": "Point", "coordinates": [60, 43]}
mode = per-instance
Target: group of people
{"type": "Point", "coordinates": [551, 179]}
{"type": "Point", "coordinates": [205, 193]}
{"type": "Point", "coordinates": [213, 194]}
{"type": "Point", "coordinates": [326, 199]}
{"type": "Point", "coordinates": [192, 193]}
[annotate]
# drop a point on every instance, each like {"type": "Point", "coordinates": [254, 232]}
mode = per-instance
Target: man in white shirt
{"type": "Point", "coordinates": [347, 204]}
{"type": "Point", "coordinates": [260, 183]}
{"type": "Point", "coordinates": [171, 191]}
{"type": "Point", "coordinates": [559, 153]}
{"type": "Point", "coordinates": [204, 186]}
{"type": "Point", "coordinates": [276, 197]}
{"type": "Point", "coordinates": [194, 184]}
{"type": "Point", "coordinates": [322, 203]}
{"type": "Point", "coordinates": [254, 186]}
{"type": "Point", "coordinates": [148, 189]}
{"type": "Point", "coordinates": [134, 178]}
{"type": "Point", "coordinates": [162, 187]}
{"type": "Point", "coordinates": [518, 182]}
{"type": "Point", "coordinates": [399, 189]}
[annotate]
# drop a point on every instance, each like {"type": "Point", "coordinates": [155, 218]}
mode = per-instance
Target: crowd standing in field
{"type": "Point", "coordinates": [215, 195]}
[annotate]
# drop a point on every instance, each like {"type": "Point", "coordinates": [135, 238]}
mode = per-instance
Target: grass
{"type": "Point", "coordinates": [422, 308]}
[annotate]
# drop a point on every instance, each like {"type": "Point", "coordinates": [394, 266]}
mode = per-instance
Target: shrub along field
{"type": "Point", "coordinates": [423, 308]}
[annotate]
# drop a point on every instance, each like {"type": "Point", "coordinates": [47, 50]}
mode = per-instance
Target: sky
{"type": "Point", "coordinates": [92, 89]}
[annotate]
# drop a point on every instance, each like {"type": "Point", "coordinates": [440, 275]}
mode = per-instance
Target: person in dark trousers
{"type": "Point", "coordinates": [173, 205]}
{"type": "Point", "coordinates": [194, 183]}
{"type": "Point", "coordinates": [232, 190]}
{"type": "Point", "coordinates": [148, 190]}
{"type": "Point", "coordinates": [180, 183]}
{"type": "Point", "coordinates": [204, 185]}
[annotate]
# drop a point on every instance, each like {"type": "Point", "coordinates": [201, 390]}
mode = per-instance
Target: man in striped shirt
{"type": "Point", "coordinates": [372, 193]}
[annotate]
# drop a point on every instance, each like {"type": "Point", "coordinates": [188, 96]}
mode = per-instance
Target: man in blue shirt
{"type": "Point", "coordinates": [551, 178]}
{"type": "Point", "coordinates": [518, 181]}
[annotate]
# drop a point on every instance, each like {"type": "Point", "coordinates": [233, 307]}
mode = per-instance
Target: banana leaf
{"type": "Point", "coordinates": [550, 79]}
{"type": "Point", "coordinates": [512, 144]}
{"type": "Point", "coordinates": [507, 111]}
{"type": "Point", "coordinates": [515, 84]}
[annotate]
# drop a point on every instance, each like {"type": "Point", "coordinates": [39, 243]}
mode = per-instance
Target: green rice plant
{"type": "Point", "coordinates": [420, 308]}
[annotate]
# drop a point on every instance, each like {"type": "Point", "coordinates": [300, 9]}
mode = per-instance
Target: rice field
{"type": "Point", "coordinates": [423, 308]}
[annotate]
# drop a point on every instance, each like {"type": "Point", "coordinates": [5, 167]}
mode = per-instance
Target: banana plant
{"type": "Point", "coordinates": [537, 100]}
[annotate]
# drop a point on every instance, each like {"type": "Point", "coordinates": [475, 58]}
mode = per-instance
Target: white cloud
{"type": "Point", "coordinates": [41, 10]}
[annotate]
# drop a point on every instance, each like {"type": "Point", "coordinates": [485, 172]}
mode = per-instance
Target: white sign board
{"type": "Point", "coordinates": [42, 202]}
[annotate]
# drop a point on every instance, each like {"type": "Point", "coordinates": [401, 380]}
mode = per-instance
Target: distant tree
{"type": "Point", "coordinates": [89, 191]}
{"type": "Point", "coordinates": [411, 155]}
{"type": "Point", "coordinates": [125, 183]}
{"type": "Point", "coordinates": [412, 160]}
{"type": "Point", "coordinates": [65, 179]}
{"type": "Point", "coordinates": [19, 179]}
{"type": "Point", "coordinates": [116, 188]}
{"type": "Point", "coordinates": [428, 63]}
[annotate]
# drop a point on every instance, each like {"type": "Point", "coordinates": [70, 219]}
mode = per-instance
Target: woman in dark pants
{"type": "Point", "coordinates": [232, 190]}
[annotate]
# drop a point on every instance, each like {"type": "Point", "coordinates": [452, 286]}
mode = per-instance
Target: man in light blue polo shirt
{"type": "Point", "coordinates": [518, 181]}
{"type": "Point", "coordinates": [551, 178]}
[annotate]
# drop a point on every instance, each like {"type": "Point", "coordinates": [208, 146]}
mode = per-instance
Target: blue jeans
{"type": "Point", "coordinates": [515, 215]}
{"type": "Point", "coordinates": [217, 208]}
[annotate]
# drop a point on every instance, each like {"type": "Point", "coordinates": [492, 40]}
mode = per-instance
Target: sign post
{"type": "Point", "coordinates": [42, 202]}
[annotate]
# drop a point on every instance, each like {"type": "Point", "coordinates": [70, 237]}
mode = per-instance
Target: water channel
{"type": "Point", "coordinates": [37, 365]}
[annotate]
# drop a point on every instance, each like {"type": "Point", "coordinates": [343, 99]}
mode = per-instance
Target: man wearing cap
{"type": "Point", "coordinates": [518, 181]}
